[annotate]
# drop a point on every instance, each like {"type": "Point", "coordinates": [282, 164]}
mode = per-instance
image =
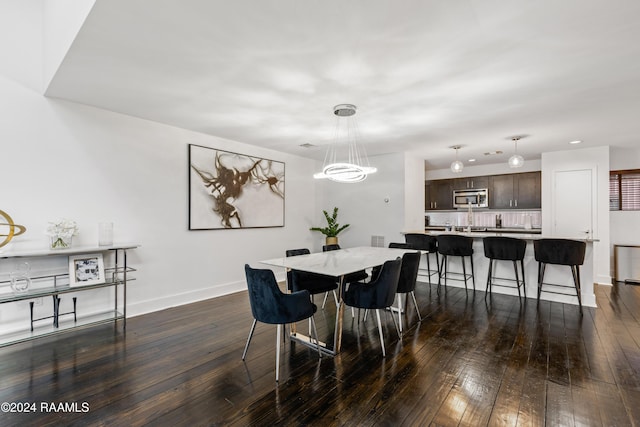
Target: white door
{"type": "Point", "coordinates": [572, 205]}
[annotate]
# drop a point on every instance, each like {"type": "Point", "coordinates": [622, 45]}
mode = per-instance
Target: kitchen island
{"type": "Point", "coordinates": [557, 274]}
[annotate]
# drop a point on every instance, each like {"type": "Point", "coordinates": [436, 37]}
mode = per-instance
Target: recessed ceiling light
{"type": "Point", "coordinates": [493, 153]}
{"type": "Point", "coordinates": [472, 160]}
{"type": "Point", "coordinates": [577, 141]}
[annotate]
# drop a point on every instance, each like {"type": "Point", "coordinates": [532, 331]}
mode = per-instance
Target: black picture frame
{"type": "Point", "coordinates": [230, 190]}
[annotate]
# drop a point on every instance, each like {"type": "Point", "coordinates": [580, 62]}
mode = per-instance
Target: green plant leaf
{"type": "Point", "coordinates": [333, 228]}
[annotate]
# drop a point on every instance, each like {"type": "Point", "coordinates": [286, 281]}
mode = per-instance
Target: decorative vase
{"type": "Point", "coordinates": [332, 240]}
{"type": "Point", "coordinates": [20, 280]}
{"type": "Point", "coordinates": [61, 242]}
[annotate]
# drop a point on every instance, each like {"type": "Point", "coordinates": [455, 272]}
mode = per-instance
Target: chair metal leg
{"type": "Point", "coordinates": [541, 267]}
{"type": "Point", "coordinates": [335, 297]}
{"type": "Point", "coordinates": [396, 325]}
{"type": "Point", "coordinates": [384, 353]}
{"type": "Point", "coordinates": [524, 285]}
{"type": "Point", "coordinates": [464, 273]}
{"type": "Point", "coordinates": [279, 332]}
{"type": "Point", "coordinates": [575, 271]}
{"type": "Point", "coordinates": [415, 304]}
{"type": "Point", "coordinates": [428, 268]}
{"type": "Point", "coordinates": [515, 269]}
{"type": "Point", "coordinates": [324, 301]}
{"type": "Point", "coordinates": [473, 274]}
{"type": "Point", "coordinates": [246, 346]}
{"type": "Point", "coordinates": [399, 296]}
{"type": "Point", "coordinates": [488, 287]}
{"type": "Point", "coordinates": [440, 273]}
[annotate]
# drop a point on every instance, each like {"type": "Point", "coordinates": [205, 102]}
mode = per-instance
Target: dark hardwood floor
{"type": "Point", "coordinates": [469, 362]}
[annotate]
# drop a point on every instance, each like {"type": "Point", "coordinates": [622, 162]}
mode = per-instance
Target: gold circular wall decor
{"type": "Point", "coordinates": [14, 229]}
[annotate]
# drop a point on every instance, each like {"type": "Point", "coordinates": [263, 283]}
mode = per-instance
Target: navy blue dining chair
{"type": "Point", "coordinates": [407, 283]}
{"type": "Point", "coordinates": [378, 294]}
{"type": "Point", "coordinates": [272, 306]}
{"type": "Point", "coordinates": [312, 282]}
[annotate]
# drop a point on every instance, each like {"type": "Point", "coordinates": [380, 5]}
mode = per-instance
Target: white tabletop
{"type": "Point", "coordinates": [340, 262]}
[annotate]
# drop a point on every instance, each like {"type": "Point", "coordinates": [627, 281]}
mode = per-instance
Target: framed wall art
{"type": "Point", "coordinates": [86, 270]}
{"type": "Point", "coordinates": [231, 190]}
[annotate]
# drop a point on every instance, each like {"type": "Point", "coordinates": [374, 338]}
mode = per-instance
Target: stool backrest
{"type": "Point", "coordinates": [455, 245]}
{"type": "Point", "coordinates": [394, 245]}
{"type": "Point", "coordinates": [296, 252]}
{"type": "Point", "coordinates": [421, 242]}
{"type": "Point", "coordinates": [504, 248]}
{"type": "Point", "coordinates": [559, 251]}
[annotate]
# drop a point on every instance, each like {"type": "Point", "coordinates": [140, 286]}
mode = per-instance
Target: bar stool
{"type": "Point", "coordinates": [505, 249]}
{"type": "Point", "coordinates": [427, 245]}
{"type": "Point", "coordinates": [455, 245]}
{"type": "Point", "coordinates": [560, 252]}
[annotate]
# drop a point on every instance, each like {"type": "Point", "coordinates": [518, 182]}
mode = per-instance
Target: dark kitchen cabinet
{"type": "Point", "coordinates": [515, 191]}
{"type": "Point", "coordinates": [529, 190]}
{"type": "Point", "coordinates": [438, 195]}
{"type": "Point", "coordinates": [471, 183]}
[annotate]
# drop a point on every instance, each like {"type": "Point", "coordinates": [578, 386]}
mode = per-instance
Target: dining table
{"type": "Point", "coordinates": [338, 263]}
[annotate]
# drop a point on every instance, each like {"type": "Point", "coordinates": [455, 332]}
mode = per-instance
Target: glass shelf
{"type": "Point", "coordinates": [55, 290]}
{"type": "Point", "coordinates": [42, 329]}
{"type": "Point", "coordinates": [75, 250]}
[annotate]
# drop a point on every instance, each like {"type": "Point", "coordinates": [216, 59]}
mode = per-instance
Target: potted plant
{"type": "Point", "coordinates": [332, 229]}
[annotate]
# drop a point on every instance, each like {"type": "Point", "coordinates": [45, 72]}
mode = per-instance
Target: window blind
{"type": "Point", "coordinates": [624, 190]}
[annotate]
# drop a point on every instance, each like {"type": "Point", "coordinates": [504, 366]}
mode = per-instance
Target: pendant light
{"type": "Point", "coordinates": [352, 166]}
{"type": "Point", "coordinates": [457, 165]}
{"type": "Point", "coordinates": [516, 161]}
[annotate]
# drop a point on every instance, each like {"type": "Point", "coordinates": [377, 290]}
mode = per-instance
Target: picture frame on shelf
{"type": "Point", "coordinates": [86, 270]}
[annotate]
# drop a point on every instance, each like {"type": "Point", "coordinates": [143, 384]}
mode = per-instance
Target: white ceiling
{"type": "Point", "coordinates": [425, 74]}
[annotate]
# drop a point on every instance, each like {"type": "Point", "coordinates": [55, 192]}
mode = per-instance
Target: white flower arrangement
{"type": "Point", "coordinates": [61, 232]}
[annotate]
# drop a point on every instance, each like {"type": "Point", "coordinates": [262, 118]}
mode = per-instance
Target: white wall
{"type": "Point", "coordinates": [413, 193]}
{"type": "Point", "coordinates": [21, 42]}
{"type": "Point", "coordinates": [62, 159]}
{"type": "Point", "coordinates": [596, 159]}
{"type": "Point", "coordinates": [385, 204]}
{"type": "Point", "coordinates": [62, 19]}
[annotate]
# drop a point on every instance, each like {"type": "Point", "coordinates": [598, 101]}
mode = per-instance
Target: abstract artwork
{"type": "Point", "coordinates": [231, 190]}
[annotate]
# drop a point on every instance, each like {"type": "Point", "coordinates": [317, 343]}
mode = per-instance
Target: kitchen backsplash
{"type": "Point", "coordinates": [485, 218]}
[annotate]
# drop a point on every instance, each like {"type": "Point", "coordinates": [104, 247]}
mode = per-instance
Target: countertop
{"type": "Point", "coordinates": [519, 235]}
{"type": "Point", "coordinates": [520, 230]}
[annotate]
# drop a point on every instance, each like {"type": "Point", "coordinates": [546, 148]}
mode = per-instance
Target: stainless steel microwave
{"type": "Point", "coordinates": [478, 198]}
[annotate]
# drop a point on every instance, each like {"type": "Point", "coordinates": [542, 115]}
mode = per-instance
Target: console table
{"type": "Point", "coordinates": [54, 281]}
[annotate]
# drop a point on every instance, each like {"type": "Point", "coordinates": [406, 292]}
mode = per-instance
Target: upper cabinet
{"type": "Point", "coordinates": [515, 191]}
{"type": "Point", "coordinates": [438, 195]}
{"type": "Point", "coordinates": [474, 182]}
{"type": "Point", "coordinates": [511, 191]}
